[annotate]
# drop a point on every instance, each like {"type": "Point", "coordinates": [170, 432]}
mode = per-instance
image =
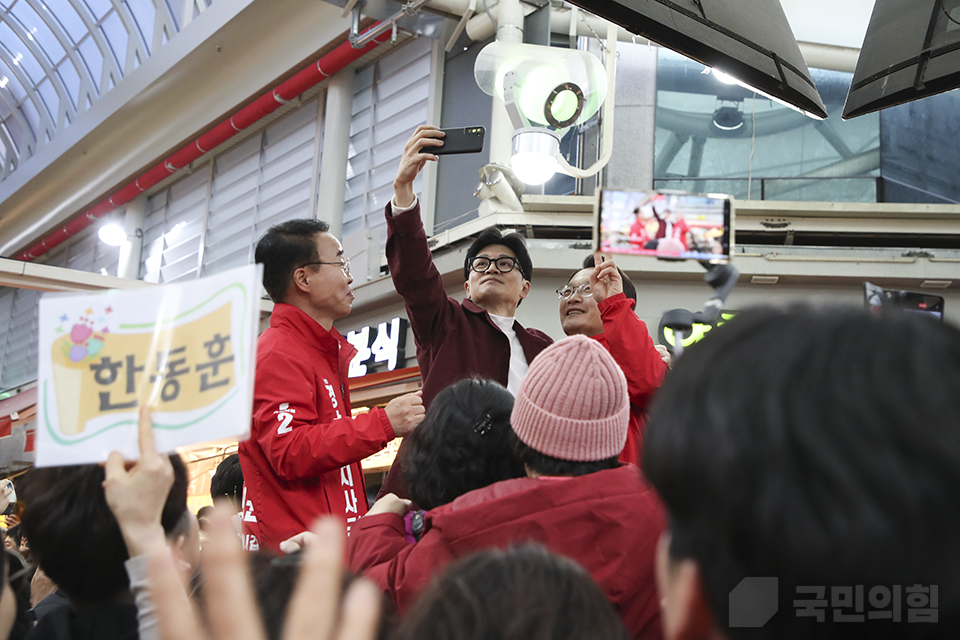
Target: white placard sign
{"type": "Point", "coordinates": [186, 350]}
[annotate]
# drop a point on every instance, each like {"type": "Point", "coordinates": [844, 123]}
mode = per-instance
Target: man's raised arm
{"type": "Point", "coordinates": [408, 255]}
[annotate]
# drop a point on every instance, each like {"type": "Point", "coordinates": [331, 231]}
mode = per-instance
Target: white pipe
{"type": "Point", "coordinates": [611, 60]}
{"type": "Point", "coordinates": [509, 29]}
{"type": "Point", "coordinates": [131, 250]}
{"type": "Point", "coordinates": [822, 56]}
{"type": "Point", "coordinates": [336, 142]}
{"type": "Point", "coordinates": [479, 27]}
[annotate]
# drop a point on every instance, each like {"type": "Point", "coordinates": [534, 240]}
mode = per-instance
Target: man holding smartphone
{"type": "Point", "coordinates": [456, 340]}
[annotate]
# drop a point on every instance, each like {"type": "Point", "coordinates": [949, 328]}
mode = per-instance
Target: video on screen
{"type": "Point", "coordinates": [878, 300]}
{"type": "Point", "coordinates": [670, 226]}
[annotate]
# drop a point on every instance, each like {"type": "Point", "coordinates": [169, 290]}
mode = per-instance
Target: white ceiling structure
{"type": "Point", "coordinates": [163, 78]}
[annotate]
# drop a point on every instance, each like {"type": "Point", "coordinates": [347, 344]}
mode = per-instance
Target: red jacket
{"type": "Point", "coordinates": [625, 336]}
{"type": "Point", "coordinates": [302, 458]}
{"type": "Point", "coordinates": [455, 340]}
{"type": "Point", "coordinates": [608, 521]}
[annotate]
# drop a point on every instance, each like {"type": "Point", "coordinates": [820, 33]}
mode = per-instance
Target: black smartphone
{"type": "Point", "coordinates": [460, 140]}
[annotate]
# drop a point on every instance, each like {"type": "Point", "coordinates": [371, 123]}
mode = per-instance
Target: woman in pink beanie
{"type": "Point", "coordinates": [570, 421]}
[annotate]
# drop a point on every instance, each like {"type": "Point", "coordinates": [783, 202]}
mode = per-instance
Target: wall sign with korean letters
{"type": "Point", "coordinates": [186, 350]}
{"type": "Point", "coordinates": [386, 344]}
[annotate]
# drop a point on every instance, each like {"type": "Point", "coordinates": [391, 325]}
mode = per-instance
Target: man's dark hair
{"type": "Point", "coordinates": [73, 534]}
{"type": "Point", "coordinates": [629, 289]}
{"type": "Point", "coordinates": [15, 534]}
{"type": "Point", "coordinates": [274, 580]}
{"type": "Point", "coordinates": [525, 593]}
{"type": "Point", "coordinates": [462, 444]}
{"type": "Point", "coordinates": [283, 249]}
{"type": "Point", "coordinates": [513, 241]}
{"type": "Point", "coordinates": [544, 465]}
{"type": "Point", "coordinates": [227, 482]}
{"type": "Point", "coordinates": [820, 447]}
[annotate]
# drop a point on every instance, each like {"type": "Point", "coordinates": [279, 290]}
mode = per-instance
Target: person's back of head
{"type": "Point", "coordinates": [819, 448]}
{"type": "Point", "coordinates": [524, 593]}
{"type": "Point", "coordinates": [73, 534]}
{"type": "Point", "coordinates": [227, 482]}
{"type": "Point", "coordinates": [274, 581]}
{"type": "Point", "coordinates": [284, 248]}
{"type": "Point", "coordinates": [462, 444]}
{"type": "Point", "coordinates": [571, 414]}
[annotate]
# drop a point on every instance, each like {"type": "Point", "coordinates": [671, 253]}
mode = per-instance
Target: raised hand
{"type": "Point", "coordinates": [414, 157]}
{"type": "Point", "coordinates": [136, 492]}
{"type": "Point", "coordinates": [315, 610]}
{"type": "Point", "coordinates": [605, 281]}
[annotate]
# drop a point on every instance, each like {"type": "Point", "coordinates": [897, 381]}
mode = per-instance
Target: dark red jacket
{"type": "Point", "coordinates": [625, 336]}
{"type": "Point", "coordinates": [608, 521]}
{"type": "Point", "coordinates": [455, 340]}
{"type": "Point", "coordinates": [302, 458]}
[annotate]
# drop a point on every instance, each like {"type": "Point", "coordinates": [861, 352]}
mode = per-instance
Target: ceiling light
{"type": "Point", "coordinates": [723, 77]}
{"type": "Point", "coordinates": [552, 86]}
{"type": "Point", "coordinates": [534, 159]}
{"type": "Point", "coordinates": [112, 234]}
{"type": "Point", "coordinates": [726, 78]}
{"type": "Point", "coordinates": [727, 118]}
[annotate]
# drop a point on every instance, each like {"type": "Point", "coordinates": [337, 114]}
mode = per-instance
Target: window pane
{"type": "Point", "coordinates": [19, 53]}
{"type": "Point", "coordinates": [144, 15]}
{"type": "Point", "coordinates": [40, 31]}
{"type": "Point", "coordinates": [93, 57]}
{"type": "Point", "coordinates": [70, 78]}
{"type": "Point", "coordinates": [708, 130]}
{"type": "Point", "coordinates": [9, 81]}
{"type": "Point", "coordinates": [50, 97]}
{"type": "Point", "coordinates": [68, 18]}
{"type": "Point", "coordinates": [116, 35]}
{"type": "Point", "coordinates": [99, 8]}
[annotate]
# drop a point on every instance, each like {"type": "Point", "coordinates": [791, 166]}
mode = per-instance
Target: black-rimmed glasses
{"type": "Point", "coordinates": [343, 264]}
{"type": "Point", "coordinates": [482, 265]}
{"type": "Point", "coordinates": [567, 291]}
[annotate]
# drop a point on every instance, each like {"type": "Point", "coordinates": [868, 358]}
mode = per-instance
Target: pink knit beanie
{"type": "Point", "coordinates": [573, 402]}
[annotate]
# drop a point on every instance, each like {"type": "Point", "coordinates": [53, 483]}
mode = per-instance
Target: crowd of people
{"type": "Point", "coordinates": [796, 474]}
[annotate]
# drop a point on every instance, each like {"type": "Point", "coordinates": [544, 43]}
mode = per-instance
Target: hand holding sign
{"type": "Point", "coordinates": [136, 492]}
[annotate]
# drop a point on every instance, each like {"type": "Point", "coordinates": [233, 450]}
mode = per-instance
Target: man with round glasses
{"type": "Point", "coordinates": [478, 336]}
{"type": "Point", "coordinates": [598, 302]}
{"type": "Point", "coordinates": [303, 456]}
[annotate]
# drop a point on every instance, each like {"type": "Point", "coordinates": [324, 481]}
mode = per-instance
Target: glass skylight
{"type": "Point", "coordinates": [57, 57]}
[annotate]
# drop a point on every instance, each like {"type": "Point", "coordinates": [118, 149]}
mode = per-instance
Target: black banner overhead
{"type": "Point", "coordinates": [911, 50]}
{"type": "Point", "coordinates": [749, 40]}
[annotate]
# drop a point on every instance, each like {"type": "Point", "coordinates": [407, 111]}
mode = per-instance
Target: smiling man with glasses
{"type": "Point", "coordinates": [303, 456]}
{"type": "Point", "coordinates": [598, 302]}
{"type": "Point", "coordinates": [478, 336]}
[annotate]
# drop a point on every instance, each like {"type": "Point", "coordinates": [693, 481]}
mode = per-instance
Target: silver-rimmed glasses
{"type": "Point", "coordinates": [567, 291]}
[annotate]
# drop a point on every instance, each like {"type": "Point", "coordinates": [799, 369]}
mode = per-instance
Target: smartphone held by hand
{"type": "Point", "coordinates": [459, 140]}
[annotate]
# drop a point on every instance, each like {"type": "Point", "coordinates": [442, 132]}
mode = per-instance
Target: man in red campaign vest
{"type": "Point", "coordinates": [303, 456]}
{"type": "Point", "coordinates": [598, 302]}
